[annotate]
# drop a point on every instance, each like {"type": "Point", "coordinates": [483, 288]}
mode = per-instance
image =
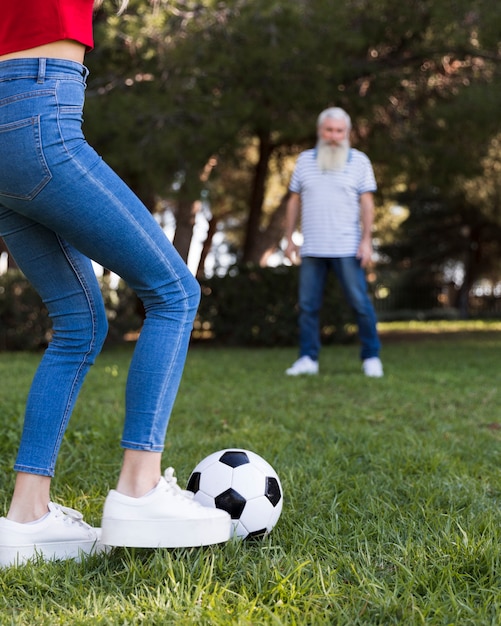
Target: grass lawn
{"type": "Point", "coordinates": [392, 489]}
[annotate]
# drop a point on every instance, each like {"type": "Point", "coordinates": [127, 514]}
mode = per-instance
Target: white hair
{"type": "Point", "coordinates": [334, 113]}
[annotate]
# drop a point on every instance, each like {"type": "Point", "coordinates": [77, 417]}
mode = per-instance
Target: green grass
{"type": "Point", "coordinates": [392, 490]}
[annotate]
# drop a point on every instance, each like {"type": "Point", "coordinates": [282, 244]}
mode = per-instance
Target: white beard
{"type": "Point", "coordinates": [332, 158]}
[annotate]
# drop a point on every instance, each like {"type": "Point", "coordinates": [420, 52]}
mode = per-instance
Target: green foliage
{"type": "Point", "coordinates": [175, 83]}
{"type": "Point", "coordinates": [444, 233]}
{"type": "Point", "coordinates": [391, 512]}
{"type": "Point", "coordinates": [124, 311]}
{"type": "Point", "coordinates": [24, 321]}
{"type": "Point", "coordinates": [258, 307]}
{"type": "Point", "coordinates": [248, 307]}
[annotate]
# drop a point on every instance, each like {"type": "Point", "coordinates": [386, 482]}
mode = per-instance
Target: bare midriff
{"type": "Point", "coordinates": [66, 49]}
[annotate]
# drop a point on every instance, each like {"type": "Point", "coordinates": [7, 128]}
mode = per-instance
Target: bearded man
{"type": "Point", "coordinates": [332, 189]}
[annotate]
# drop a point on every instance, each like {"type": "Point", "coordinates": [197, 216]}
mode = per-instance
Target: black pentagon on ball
{"type": "Point", "coordinates": [256, 534]}
{"type": "Point", "coordinates": [234, 458]}
{"type": "Point", "coordinates": [194, 482]}
{"type": "Point", "coordinates": [231, 502]}
{"type": "Point", "coordinates": [272, 490]}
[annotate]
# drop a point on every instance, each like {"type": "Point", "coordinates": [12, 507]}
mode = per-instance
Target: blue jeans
{"type": "Point", "coordinates": [60, 206]}
{"type": "Point", "coordinates": [312, 277]}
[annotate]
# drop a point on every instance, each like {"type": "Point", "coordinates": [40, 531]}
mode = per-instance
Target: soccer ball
{"type": "Point", "coordinates": [243, 484]}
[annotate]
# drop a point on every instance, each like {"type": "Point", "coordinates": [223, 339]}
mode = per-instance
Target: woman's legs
{"type": "Point", "coordinates": [30, 499]}
{"type": "Point", "coordinates": [67, 284]}
{"type": "Point", "coordinates": [72, 207]}
{"type": "Point", "coordinates": [140, 472]}
{"type": "Point", "coordinates": [129, 242]}
{"type": "Point", "coordinates": [94, 212]}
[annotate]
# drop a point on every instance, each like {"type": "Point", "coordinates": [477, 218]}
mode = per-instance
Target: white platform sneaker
{"type": "Point", "coordinates": [61, 534]}
{"type": "Point", "coordinates": [166, 517]}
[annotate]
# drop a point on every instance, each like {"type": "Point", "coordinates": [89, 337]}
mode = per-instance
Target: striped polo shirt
{"type": "Point", "coordinates": [330, 203]}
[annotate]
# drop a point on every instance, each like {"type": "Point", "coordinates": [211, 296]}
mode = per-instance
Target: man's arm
{"type": "Point", "coordinates": [364, 252]}
{"type": "Point", "coordinates": [291, 219]}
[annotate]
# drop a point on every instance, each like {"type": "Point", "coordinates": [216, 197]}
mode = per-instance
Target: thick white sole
{"type": "Point", "coordinates": [17, 555]}
{"type": "Point", "coordinates": [172, 533]}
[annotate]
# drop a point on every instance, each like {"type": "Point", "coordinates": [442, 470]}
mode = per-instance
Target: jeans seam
{"type": "Point", "coordinates": [92, 344]}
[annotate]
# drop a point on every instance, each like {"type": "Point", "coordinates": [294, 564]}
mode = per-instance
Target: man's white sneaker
{"type": "Point", "coordinates": [304, 365]}
{"type": "Point", "coordinates": [166, 517]}
{"type": "Point", "coordinates": [373, 367]}
{"type": "Point", "coordinates": [61, 534]}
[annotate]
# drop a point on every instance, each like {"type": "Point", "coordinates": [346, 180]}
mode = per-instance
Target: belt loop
{"type": "Point", "coordinates": [42, 63]}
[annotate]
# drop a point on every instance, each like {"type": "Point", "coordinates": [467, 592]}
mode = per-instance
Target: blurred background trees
{"type": "Point", "coordinates": [207, 103]}
{"type": "Point", "coordinates": [202, 106]}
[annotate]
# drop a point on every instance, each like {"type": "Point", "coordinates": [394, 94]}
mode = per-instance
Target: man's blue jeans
{"type": "Point", "coordinates": [60, 206]}
{"type": "Point", "coordinates": [312, 277]}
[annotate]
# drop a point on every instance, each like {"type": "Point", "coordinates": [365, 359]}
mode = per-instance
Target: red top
{"type": "Point", "coordinates": [28, 23]}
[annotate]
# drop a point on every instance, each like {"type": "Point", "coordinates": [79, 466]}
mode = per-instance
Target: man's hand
{"type": "Point", "coordinates": [291, 217]}
{"type": "Point", "coordinates": [292, 253]}
{"type": "Point", "coordinates": [364, 252]}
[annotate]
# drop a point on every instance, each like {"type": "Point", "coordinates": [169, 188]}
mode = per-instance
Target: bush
{"type": "Point", "coordinates": [247, 307]}
{"type": "Point", "coordinates": [24, 321]}
{"type": "Point", "coordinates": [258, 306]}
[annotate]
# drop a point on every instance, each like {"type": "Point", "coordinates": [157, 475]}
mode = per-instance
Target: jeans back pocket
{"type": "Point", "coordinates": [23, 169]}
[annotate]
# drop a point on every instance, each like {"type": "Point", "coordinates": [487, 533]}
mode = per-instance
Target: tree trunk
{"type": "Point", "coordinates": [270, 239]}
{"type": "Point", "coordinates": [213, 222]}
{"type": "Point", "coordinates": [185, 220]}
{"type": "Point", "coordinates": [250, 252]}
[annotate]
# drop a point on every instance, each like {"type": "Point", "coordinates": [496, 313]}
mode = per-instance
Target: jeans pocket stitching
{"type": "Point", "coordinates": [37, 161]}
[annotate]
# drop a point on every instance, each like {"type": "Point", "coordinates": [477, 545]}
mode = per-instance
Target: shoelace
{"type": "Point", "coordinates": [68, 515]}
{"type": "Point", "coordinates": [171, 481]}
